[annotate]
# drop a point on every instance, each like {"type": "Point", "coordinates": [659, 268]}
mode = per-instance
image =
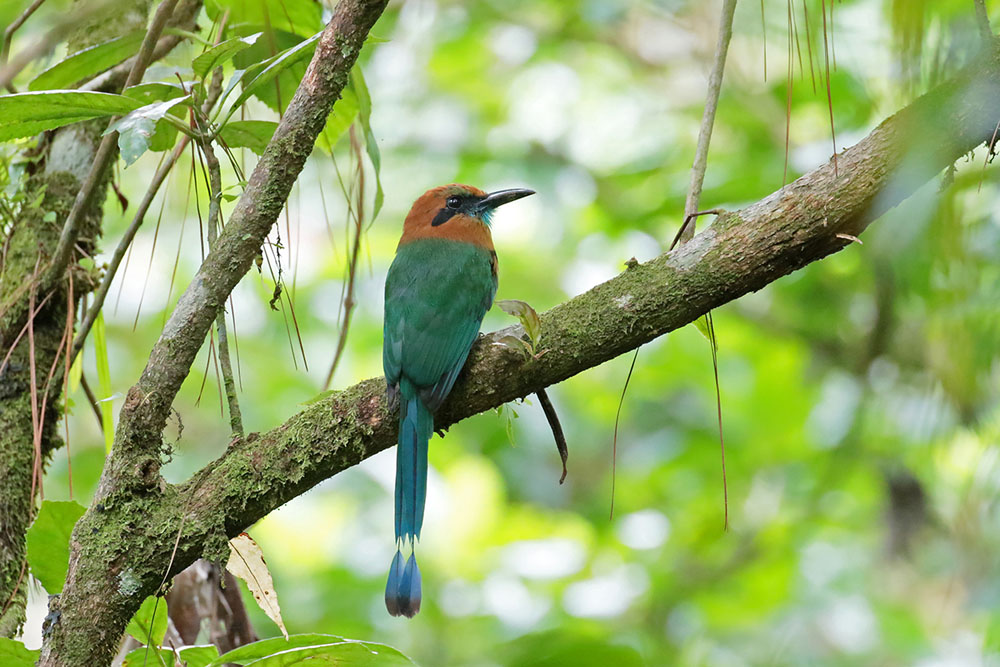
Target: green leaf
{"type": "Point", "coordinates": [516, 344]}
{"type": "Point", "coordinates": [136, 129]}
{"type": "Point", "coordinates": [252, 134]}
{"type": "Point", "coordinates": [75, 373]}
{"type": "Point", "coordinates": [26, 114]}
{"type": "Point", "coordinates": [164, 137]}
{"type": "Point", "coordinates": [529, 318]}
{"type": "Point", "coordinates": [149, 625]}
{"type": "Point", "coordinates": [256, 77]}
{"type": "Point", "coordinates": [701, 324]}
{"type": "Point", "coordinates": [143, 657]}
{"type": "Point", "coordinates": [265, 647]}
{"type": "Point", "coordinates": [298, 16]}
{"type": "Point", "coordinates": [15, 654]}
{"type": "Point", "coordinates": [360, 88]}
{"type": "Point", "coordinates": [85, 64]}
{"type": "Point", "coordinates": [234, 81]}
{"type": "Point", "coordinates": [198, 656]}
{"type": "Point", "coordinates": [224, 52]}
{"type": "Point", "coordinates": [344, 654]}
{"type": "Point", "coordinates": [48, 542]}
{"type": "Point", "coordinates": [312, 649]}
{"type": "Point", "coordinates": [104, 382]}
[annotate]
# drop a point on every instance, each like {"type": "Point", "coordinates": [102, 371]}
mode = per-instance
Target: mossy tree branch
{"type": "Point", "coordinates": [67, 155]}
{"type": "Point", "coordinates": [126, 542]}
{"type": "Point", "coordinates": [108, 578]}
{"type": "Point", "coordinates": [741, 252]}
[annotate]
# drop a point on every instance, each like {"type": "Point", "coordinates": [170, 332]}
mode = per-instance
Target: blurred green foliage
{"type": "Point", "coordinates": [860, 395]}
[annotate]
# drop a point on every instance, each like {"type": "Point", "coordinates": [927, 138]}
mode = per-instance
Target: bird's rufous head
{"type": "Point", "coordinates": [458, 213]}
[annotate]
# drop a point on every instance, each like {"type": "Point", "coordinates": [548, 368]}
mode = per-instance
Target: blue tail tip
{"type": "Point", "coordinates": [403, 588]}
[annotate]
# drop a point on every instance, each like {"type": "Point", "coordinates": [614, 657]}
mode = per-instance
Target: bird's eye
{"type": "Point", "coordinates": [453, 202]}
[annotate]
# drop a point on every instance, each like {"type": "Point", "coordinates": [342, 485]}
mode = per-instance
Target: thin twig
{"type": "Point", "coordinates": [64, 342]}
{"type": "Point", "coordinates": [214, 211]}
{"type": "Point", "coordinates": [718, 406]}
{"type": "Point", "coordinates": [708, 117]}
{"type": "Point", "coordinates": [809, 47]}
{"type": "Point", "coordinates": [105, 152]}
{"type": "Point", "coordinates": [36, 430]}
{"type": "Point", "coordinates": [698, 176]}
{"type": "Point", "coordinates": [24, 330]}
{"type": "Point", "coordinates": [614, 442]}
{"type": "Point", "coordinates": [829, 91]}
{"type": "Point", "coordinates": [39, 47]}
{"type": "Point", "coordinates": [215, 182]}
{"type": "Point", "coordinates": [92, 399]}
{"type": "Point", "coordinates": [17, 587]}
{"type": "Point", "coordinates": [688, 219]}
{"type": "Point", "coordinates": [8, 34]}
{"type": "Point", "coordinates": [790, 73]}
{"type": "Point", "coordinates": [70, 315]}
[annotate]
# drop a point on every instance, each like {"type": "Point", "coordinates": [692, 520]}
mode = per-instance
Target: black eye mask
{"type": "Point", "coordinates": [465, 205]}
{"type": "Point", "coordinates": [444, 215]}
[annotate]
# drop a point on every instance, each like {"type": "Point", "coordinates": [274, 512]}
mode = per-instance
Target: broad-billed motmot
{"type": "Point", "coordinates": [439, 287]}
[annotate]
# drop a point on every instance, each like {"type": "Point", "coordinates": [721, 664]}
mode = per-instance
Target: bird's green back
{"type": "Point", "coordinates": [436, 294]}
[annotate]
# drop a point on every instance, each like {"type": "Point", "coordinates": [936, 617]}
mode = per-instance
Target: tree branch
{"type": "Point", "coordinates": [708, 119]}
{"type": "Point", "coordinates": [69, 154]}
{"type": "Point", "coordinates": [8, 33]}
{"type": "Point", "coordinates": [214, 210]}
{"type": "Point", "coordinates": [741, 252]}
{"type": "Point", "coordinates": [108, 578]}
{"type": "Point", "coordinates": [125, 541]}
{"type": "Point", "coordinates": [148, 403]}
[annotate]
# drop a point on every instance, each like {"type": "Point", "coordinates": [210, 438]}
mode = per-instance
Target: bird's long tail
{"type": "Point", "coordinates": [416, 425]}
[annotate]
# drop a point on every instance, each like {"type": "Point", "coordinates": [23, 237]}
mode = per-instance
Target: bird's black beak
{"type": "Point", "coordinates": [501, 197]}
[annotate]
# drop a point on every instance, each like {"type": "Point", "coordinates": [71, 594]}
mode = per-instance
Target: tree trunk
{"type": "Point", "coordinates": [66, 156]}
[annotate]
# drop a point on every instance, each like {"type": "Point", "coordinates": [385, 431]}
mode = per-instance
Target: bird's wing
{"type": "Point", "coordinates": [436, 295]}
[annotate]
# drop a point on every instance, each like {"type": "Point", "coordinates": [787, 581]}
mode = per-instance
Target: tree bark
{"type": "Point", "coordinates": [107, 578]}
{"type": "Point", "coordinates": [66, 157]}
{"type": "Point", "coordinates": [141, 529]}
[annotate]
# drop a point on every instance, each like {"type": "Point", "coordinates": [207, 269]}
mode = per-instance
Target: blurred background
{"type": "Point", "coordinates": [859, 395]}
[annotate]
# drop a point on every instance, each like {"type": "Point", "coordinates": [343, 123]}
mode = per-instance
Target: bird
{"type": "Point", "coordinates": [438, 288]}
